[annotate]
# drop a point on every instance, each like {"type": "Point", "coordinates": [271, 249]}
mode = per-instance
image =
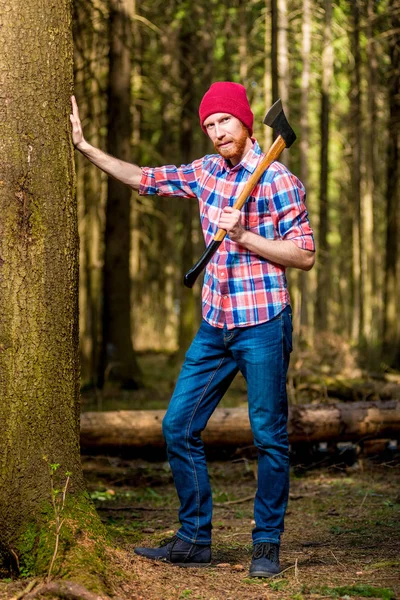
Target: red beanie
{"type": "Point", "coordinates": [226, 97]}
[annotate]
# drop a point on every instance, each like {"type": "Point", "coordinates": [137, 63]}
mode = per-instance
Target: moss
{"type": "Point", "coordinates": [82, 545]}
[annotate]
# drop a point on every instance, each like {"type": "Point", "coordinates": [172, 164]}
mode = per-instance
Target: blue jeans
{"type": "Point", "coordinates": [261, 353]}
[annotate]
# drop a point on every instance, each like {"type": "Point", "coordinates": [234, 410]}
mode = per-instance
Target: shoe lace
{"type": "Point", "coordinates": [270, 551]}
{"type": "Point", "coordinates": [168, 540]}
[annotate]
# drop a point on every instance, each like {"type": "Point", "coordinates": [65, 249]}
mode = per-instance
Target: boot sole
{"type": "Point", "coordinates": [262, 574]}
{"type": "Point", "coordinates": [189, 565]}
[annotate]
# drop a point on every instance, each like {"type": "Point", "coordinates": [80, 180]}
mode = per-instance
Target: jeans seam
{"type": "Point", "coordinates": [188, 446]}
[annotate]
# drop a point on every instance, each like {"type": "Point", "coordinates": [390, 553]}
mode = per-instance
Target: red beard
{"type": "Point", "coordinates": [235, 148]}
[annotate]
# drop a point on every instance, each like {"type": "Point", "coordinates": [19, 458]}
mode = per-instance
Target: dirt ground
{"type": "Point", "coordinates": [341, 541]}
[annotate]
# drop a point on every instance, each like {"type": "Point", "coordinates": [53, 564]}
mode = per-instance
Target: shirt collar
{"type": "Point", "coordinates": [248, 162]}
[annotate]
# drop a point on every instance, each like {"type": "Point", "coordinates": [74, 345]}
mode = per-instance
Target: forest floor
{"type": "Point", "coordinates": [342, 536]}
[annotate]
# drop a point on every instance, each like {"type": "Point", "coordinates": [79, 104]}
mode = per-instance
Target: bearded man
{"type": "Point", "coordinates": [246, 322]}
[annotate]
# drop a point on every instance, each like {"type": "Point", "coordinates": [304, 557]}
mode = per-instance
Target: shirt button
{"type": "Point", "coordinates": [222, 274]}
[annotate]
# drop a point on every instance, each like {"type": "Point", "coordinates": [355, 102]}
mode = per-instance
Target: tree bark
{"type": "Point", "coordinates": [187, 61]}
{"type": "Point", "coordinates": [323, 275]}
{"type": "Point", "coordinates": [391, 329]}
{"type": "Point", "coordinates": [39, 363]}
{"type": "Point", "coordinates": [356, 144]}
{"type": "Point", "coordinates": [342, 421]}
{"type": "Point", "coordinates": [89, 42]}
{"type": "Point", "coordinates": [119, 363]}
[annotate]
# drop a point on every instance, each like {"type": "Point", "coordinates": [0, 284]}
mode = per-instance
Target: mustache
{"type": "Point", "coordinates": [218, 145]}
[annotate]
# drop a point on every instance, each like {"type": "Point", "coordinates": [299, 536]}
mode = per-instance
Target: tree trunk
{"type": "Point", "coordinates": [119, 363]}
{"type": "Point", "coordinates": [90, 189]}
{"type": "Point", "coordinates": [356, 143]}
{"type": "Point", "coordinates": [302, 316]}
{"type": "Point", "coordinates": [274, 51]}
{"type": "Point", "coordinates": [369, 229]}
{"type": "Point", "coordinates": [342, 421]}
{"type": "Point", "coordinates": [323, 276]}
{"type": "Point", "coordinates": [187, 61]}
{"type": "Point", "coordinates": [391, 291]}
{"type": "Point", "coordinates": [39, 364]}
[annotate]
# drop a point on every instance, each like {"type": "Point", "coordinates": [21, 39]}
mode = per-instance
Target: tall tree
{"type": "Point", "coordinates": [119, 362]}
{"type": "Point", "coordinates": [391, 290]}
{"type": "Point", "coordinates": [368, 261]}
{"type": "Point", "coordinates": [39, 363]}
{"type": "Point", "coordinates": [89, 46]}
{"type": "Point", "coordinates": [303, 313]}
{"type": "Point", "coordinates": [356, 137]}
{"type": "Point", "coordinates": [323, 278]}
{"type": "Point", "coordinates": [187, 47]}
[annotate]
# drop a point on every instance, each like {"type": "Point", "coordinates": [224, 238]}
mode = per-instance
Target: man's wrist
{"type": "Point", "coordinates": [244, 237]}
{"type": "Point", "coordinates": [83, 146]}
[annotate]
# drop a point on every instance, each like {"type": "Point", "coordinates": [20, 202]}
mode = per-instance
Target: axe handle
{"type": "Point", "coordinates": [273, 153]}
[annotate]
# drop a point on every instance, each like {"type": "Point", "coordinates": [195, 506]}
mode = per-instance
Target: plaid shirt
{"type": "Point", "coordinates": [240, 288]}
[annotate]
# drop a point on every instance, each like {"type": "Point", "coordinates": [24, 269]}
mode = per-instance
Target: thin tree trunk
{"type": "Point", "coordinates": [39, 359]}
{"type": "Point", "coordinates": [392, 291]}
{"type": "Point", "coordinates": [371, 322]}
{"type": "Point", "coordinates": [324, 270]}
{"type": "Point", "coordinates": [187, 45]}
{"type": "Point", "coordinates": [119, 363]}
{"type": "Point", "coordinates": [89, 194]}
{"type": "Point", "coordinates": [267, 69]}
{"type": "Point", "coordinates": [274, 51]}
{"type": "Point", "coordinates": [283, 66]}
{"type": "Point", "coordinates": [303, 316]}
{"type": "Point", "coordinates": [356, 136]}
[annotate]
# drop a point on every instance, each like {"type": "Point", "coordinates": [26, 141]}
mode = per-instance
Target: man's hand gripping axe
{"type": "Point", "coordinates": [276, 119]}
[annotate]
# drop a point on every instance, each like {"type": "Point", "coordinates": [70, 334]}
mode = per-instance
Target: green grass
{"type": "Point", "coordinates": [360, 589]}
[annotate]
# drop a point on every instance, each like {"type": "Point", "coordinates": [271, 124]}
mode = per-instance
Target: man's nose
{"type": "Point", "coordinates": [219, 131]}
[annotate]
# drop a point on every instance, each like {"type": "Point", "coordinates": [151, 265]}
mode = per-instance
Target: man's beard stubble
{"type": "Point", "coordinates": [236, 148]}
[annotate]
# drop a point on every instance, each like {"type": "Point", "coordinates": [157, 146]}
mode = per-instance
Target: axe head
{"type": "Point", "coordinates": [276, 119]}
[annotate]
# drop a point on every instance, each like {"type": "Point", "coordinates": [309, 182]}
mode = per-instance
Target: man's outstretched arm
{"type": "Point", "coordinates": [125, 172]}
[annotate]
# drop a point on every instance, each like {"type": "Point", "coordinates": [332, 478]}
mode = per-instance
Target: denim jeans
{"type": "Point", "coordinates": [261, 353]}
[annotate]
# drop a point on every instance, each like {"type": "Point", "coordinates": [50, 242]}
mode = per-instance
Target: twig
{"type": "Point", "coordinates": [229, 502]}
{"type": "Point", "coordinates": [59, 523]}
{"type": "Point", "coordinates": [15, 555]}
{"type": "Point", "coordinates": [296, 571]}
{"type": "Point", "coordinates": [284, 571]}
{"type": "Point", "coordinates": [362, 503]}
{"type": "Point", "coordinates": [135, 508]}
{"type": "Point", "coordinates": [338, 562]}
{"type": "Point", "coordinates": [26, 590]}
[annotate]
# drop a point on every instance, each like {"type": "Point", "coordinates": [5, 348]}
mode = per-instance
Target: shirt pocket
{"type": "Point", "coordinates": [252, 221]}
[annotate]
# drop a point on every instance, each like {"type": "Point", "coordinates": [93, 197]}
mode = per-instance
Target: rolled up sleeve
{"type": "Point", "coordinates": [170, 180]}
{"type": "Point", "coordinates": [289, 212]}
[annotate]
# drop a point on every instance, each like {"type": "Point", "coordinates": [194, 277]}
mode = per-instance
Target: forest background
{"type": "Point", "coordinates": [141, 69]}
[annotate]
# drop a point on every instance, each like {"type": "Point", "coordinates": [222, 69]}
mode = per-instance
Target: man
{"type": "Point", "coordinates": [246, 318]}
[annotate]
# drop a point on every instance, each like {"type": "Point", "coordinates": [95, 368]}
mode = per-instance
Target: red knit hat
{"type": "Point", "coordinates": [226, 97]}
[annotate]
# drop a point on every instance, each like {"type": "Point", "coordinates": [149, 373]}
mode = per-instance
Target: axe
{"type": "Point", "coordinates": [276, 119]}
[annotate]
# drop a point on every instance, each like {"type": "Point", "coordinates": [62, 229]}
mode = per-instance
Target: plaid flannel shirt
{"type": "Point", "coordinates": [240, 288]}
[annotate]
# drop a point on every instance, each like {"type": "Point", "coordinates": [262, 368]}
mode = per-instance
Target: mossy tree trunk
{"type": "Point", "coordinates": [39, 365]}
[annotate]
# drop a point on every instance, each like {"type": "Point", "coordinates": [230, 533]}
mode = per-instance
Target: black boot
{"type": "Point", "coordinates": [265, 560]}
{"type": "Point", "coordinates": [178, 552]}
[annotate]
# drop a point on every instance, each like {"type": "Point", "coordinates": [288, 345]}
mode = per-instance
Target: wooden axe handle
{"type": "Point", "coordinates": [273, 153]}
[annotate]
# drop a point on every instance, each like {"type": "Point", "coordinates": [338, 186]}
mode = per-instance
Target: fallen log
{"type": "Point", "coordinates": [230, 426]}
